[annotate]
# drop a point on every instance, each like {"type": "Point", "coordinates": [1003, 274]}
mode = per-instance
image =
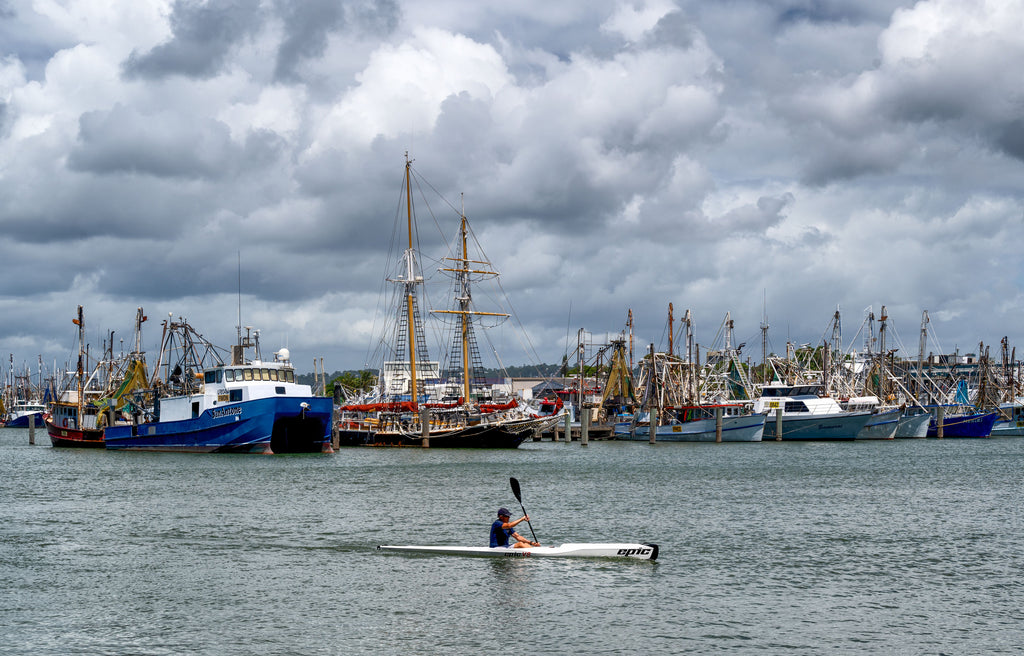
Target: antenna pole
{"type": "Point", "coordinates": [239, 326]}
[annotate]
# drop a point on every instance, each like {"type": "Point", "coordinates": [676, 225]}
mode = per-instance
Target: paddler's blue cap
{"type": "Point", "coordinates": [503, 512]}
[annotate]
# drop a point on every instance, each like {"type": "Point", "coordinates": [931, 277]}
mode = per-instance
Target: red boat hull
{"type": "Point", "coordinates": [73, 437]}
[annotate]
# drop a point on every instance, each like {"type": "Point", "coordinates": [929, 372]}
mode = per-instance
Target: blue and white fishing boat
{"type": "Point", "coordinates": [806, 415]}
{"type": "Point", "coordinates": [698, 424]}
{"type": "Point", "coordinates": [25, 411]}
{"type": "Point", "coordinates": [245, 406]}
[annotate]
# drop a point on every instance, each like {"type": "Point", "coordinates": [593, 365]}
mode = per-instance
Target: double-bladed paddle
{"type": "Point", "coordinates": [519, 497]}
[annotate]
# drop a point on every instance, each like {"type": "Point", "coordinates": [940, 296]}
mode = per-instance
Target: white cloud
{"type": "Point", "coordinates": [402, 87]}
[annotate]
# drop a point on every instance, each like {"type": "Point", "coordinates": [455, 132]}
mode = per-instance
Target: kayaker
{"type": "Point", "coordinates": [502, 529]}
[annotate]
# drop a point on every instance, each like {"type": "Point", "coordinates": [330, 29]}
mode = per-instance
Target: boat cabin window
{"type": "Point", "coordinates": [236, 395]}
{"type": "Point", "coordinates": [795, 406]}
{"type": "Point", "coordinates": [213, 375]}
{"type": "Point", "coordinates": [273, 374]}
{"type": "Point", "coordinates": [266, 374]}
{"type": "Point", "coordinates": [247, 374]}
{"type": "Point", "coordinates": [795, 390]}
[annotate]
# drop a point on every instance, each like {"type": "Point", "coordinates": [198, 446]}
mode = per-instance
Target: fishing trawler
{"type": "Point", "coordinates": [734, 423]}
{"type": "Point", "coordinates": [198, 403]}
{"type": "Point", "coordinates": [95, 402]}
{"type": "Point", "coordinates": [416, 403]}
{"type": "Point", "coordinates": [74, 421]}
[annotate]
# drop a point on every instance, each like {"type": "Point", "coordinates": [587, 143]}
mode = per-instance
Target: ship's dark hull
{"type": "Point", "coordinates": [482, 436]}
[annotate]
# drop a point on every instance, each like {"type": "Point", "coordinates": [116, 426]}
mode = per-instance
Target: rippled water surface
{"type": "Point", "coordinates": [911, 547]}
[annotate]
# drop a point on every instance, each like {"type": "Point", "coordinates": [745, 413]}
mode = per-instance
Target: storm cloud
{"type": "Point", "coordinates": [189, 156]}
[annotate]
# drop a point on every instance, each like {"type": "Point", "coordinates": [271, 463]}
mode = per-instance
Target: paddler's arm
{"type": "Point", "coordinates": [524, 518]}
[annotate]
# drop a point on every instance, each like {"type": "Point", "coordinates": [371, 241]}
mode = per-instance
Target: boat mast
{"type": "Point", "coordinates": [629, 322]}
{"type": "Point", "coordinates": [410, 278]}
{"type": "Point", "coordinates": [883, 384]}
{"type": "Point", "coordinates": [920, 354]}
{"type": "Point", "coordinates": [465, 341]}
{"type": "Point", "coordinates": [80, 322]}
{"type": "Point", "coordinates": [464, 307]}
{"type": "Point", "coordinates": [764, 336]}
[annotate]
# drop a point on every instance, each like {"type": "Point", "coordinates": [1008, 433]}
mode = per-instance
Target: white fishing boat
{"type": "Point", "coordinates": [806, 415]}
{"type": "Point", "coordinates": [627, 550]}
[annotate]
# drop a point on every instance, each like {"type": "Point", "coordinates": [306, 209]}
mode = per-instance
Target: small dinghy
{"type": "Point", "coordinates": [568, 550]}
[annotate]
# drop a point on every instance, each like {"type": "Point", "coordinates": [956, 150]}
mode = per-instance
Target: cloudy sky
{"type": "Point", "coordinates": [721, 156]}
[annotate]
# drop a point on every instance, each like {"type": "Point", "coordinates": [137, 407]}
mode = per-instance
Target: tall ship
{"type": "Point", "coordinates": [422, 402]}
{"type": "Point", "coordinates": [197, 402]}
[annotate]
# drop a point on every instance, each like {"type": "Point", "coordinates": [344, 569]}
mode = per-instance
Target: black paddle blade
{"type": "Point", "coordinates": [515, 489]}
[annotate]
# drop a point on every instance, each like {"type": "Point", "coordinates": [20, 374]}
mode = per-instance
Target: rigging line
{"type": "Point", "coordinates": [531, 351]}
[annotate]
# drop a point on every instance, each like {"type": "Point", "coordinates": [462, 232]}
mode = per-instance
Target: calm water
{"type": "Point", "coordinates": [910, 547]}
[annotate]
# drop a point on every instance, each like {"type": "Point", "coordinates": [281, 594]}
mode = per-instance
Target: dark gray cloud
{"type": "Point", "coordinates": [308, 25]}
{"type": "Point", "coordinates": [123, 140]}
{"type": "Point", "coordinates": [203, 34]}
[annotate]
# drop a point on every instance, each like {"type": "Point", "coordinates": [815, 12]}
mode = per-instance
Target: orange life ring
{"type": "Point", "coordinates": [65, 424]}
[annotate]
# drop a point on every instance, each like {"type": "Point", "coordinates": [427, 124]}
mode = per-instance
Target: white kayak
{"type": "Point", "coordinates": [568, 550]}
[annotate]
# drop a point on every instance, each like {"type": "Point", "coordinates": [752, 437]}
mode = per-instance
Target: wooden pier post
{"type": "Point", "coordinates": [585, 427]}
{"type": "Point", "coordinates": [939, 421]}
{"type": "Point", "coordinates": [718, 425]}
{"type": "Point", "coordinates": [425, 425]}
{"type": "Point", "coordinates": [778, 424]}
{"type": "Point", "coordinates": [335, 434]}
{"type": "Point", "coordinates": [568, 428]}
{"type": "Point", "coordinates": [31, 430]}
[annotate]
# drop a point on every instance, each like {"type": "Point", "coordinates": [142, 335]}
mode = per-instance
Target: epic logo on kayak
{"type": "Point", "coordinates": [634, 552]}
